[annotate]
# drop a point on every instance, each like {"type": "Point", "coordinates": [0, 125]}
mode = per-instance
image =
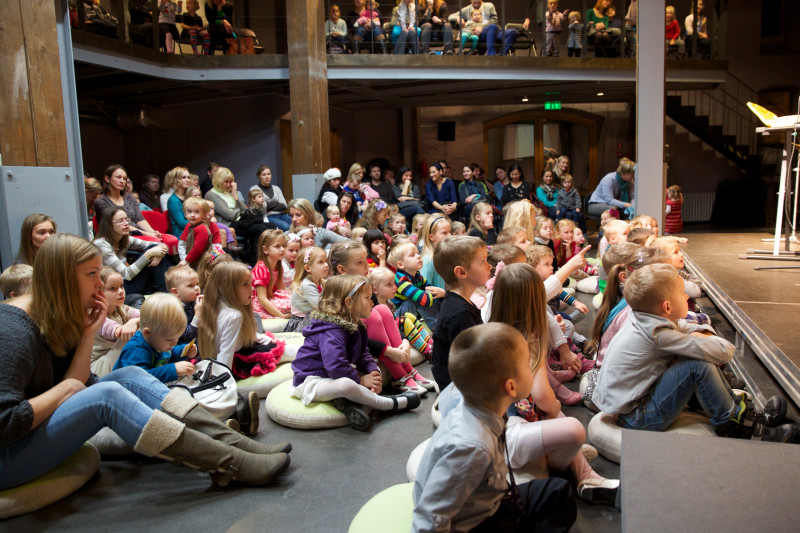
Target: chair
{"type": "Point", "coordinates": [158, 221]}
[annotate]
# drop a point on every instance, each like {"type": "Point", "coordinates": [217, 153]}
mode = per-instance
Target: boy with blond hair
{"type": "Point", "coordinates": [16, 280]}
{"type": "Point", "coordinates": [657, 361]}
{"type": "Point", "coordinates": [414, 295]}
{"type": "Point", "coordinates": [155, 346]}
{"type": "Point", "coordinates": [491, 367]}
{"type": "Point", "coordinates": [184, 283]}
{"type": "Point", "coordinates": [463, 264]}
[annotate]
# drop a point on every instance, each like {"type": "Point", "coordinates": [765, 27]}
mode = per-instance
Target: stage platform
{"type": "Point", "coordinates": [763, 306]}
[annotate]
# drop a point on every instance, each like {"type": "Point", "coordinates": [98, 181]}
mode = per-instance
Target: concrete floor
{"type": "Point", "coordinates": [333, 473]}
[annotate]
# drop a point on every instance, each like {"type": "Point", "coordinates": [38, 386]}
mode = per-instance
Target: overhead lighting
{"type": "Point", "coordinates": [600, 94]}
{"type": "Point", "coordinates": [525, 98]}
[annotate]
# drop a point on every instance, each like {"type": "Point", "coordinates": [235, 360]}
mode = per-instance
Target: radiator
{"type": "Point", "coordinates": [697, 206]}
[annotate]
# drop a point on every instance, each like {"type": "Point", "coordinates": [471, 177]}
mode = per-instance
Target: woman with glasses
{"type": "Point", "coordinates": [138, 262]}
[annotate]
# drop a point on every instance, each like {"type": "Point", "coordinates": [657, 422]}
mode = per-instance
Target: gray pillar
{"type": "Point", "coordinates": [650, 100]}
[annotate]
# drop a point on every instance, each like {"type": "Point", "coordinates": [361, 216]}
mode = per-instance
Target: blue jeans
{"type": "Point", "coordinates": [574, 216]}
{"type": "Point", "coordinates": [403, 39]}
{"type": "Point", "coordinates": [123, 400]}
{"type": "Point", "coordinates": [672, 391]}
{"type": "Point", "coordinates": [444, 33]}
{"type": "Point", "coordinates": [376, 32]}
{"type": "Point", "coordinates": [282, 221]}
{"type": "Point", "coordinates": [492, 34]}
{"type": "Point", "coordinates": [150, 279]}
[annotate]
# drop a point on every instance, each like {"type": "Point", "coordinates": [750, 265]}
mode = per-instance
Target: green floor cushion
{"type": "Point", "coordinates": [108, 442]}
{"type": "Point", "coordinates": [261, 385]}
{"type": "Point", "coordinates": [293, 342]}
{"type": "Point", "coordinates": [274, 325]}
{"type": "Point", "coordinates": [389, 511]}
{"type": "Point", "coordinates": [290, 412]}
{"type": "Point", "coordinates": [48, 488]}
{"type": "Point", "coordinates": [605, 435]}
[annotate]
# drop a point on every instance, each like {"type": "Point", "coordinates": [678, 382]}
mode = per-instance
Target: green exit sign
{"type": "Point", "coordinates": [553, 105]}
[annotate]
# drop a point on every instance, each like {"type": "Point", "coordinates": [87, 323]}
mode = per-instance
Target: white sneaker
{"type": "Point", "coordinates": [407, 384]}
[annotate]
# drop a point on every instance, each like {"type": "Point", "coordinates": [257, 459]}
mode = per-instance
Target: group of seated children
{"type": "Point", "coordinates": [497, 325]}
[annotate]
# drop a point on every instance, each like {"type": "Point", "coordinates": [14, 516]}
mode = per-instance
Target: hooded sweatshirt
{"type": "Point", "coordinates": [332, 346]}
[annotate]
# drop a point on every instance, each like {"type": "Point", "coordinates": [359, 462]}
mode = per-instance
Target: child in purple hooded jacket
{"type": "Point", "coordinates": [334, 342]}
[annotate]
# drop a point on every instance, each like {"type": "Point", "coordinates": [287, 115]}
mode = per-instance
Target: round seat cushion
{"type": "Point", "coordinates": [289, 411]}
{"type": "Point", "coordinates": [604, 433]}
{"type": "Point", "coordinates": [107, 442]}
{"type": "Point", "coordinates": [274, 325]}
{"type": "Point", "coordinates": [261, 385]}
{"type": "Point", "coordinates": [392, 508]}
{"type": "Point", "coordinates": [436, 415]}
{"type": "Point", "coordinates": [414, 459]}
{"type": "Point", "coordinates": [56, 484]}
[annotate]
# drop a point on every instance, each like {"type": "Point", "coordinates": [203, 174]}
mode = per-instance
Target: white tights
{"type": "Point", "coordinates": [349, 389]}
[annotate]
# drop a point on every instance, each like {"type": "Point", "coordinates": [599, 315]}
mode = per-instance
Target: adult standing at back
{"type": "Point", "coordinates": [274, 201]}
{"type": "Point", "coordinates": [177, 220]}
{"type": "Point", "coordinates": [433, 22]}
{"type": "Point", "coordinates": [615, 190]}
{"type": "Point", "coordinates": [491, 33]}
{"type": "Point", "coordinates": [115, 180]}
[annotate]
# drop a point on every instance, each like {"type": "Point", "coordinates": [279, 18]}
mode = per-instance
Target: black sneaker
{"type": "Point", "coordinates": [773, 414]}
{"type": "Point", "coordinates": [356, 414]}
{"type": "Point", "coordinates": [788, 433]}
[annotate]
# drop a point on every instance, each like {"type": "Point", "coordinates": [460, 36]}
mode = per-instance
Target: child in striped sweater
{"type": "Point", "coordinates": [414, 295]}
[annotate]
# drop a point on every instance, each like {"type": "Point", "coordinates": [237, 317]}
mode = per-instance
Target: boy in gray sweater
{"type": "Point", "coordinates": [657, 361]}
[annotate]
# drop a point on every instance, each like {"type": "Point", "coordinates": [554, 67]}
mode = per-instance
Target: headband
{"type": "Point", "coordinates": [307, 256]}
{"type": "Point", "coordinates": [355, 289]}
{"type": "Point", "coordinates": [312, 229]}
{"type": "Point", "coordinates": [293, 237]}
{"type": "Point", "coordinates": [380, 204]}
{"type": "Point", "coordinates": [434, 221]}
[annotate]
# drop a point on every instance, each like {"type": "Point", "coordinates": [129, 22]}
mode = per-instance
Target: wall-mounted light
{"type": "Point", "coordinates": [600, 94]}
{"type": "Point", "coordinates": [525, 98]}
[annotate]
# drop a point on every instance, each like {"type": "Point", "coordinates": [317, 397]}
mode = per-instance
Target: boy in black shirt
{"type": "Point", "coordinates": [462, 263]}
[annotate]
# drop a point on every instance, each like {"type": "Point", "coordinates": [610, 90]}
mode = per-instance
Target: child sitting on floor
{"type": "Point", "coordinates": [290, 258]}
{"type": "Point", "coordinates": [436, 229]}
{"type": "Point", "coordinates": [155, 346]}
{"type": "Point", "coordinates": [515, 236]}
{"type": "Point", "coordinates": [414, 294]}
{"type": "Point", "coordinates": [200, 234]}
{"type": "Point", "coordinates": [657, 361]}
{"type": "Point", "coordinates": [335, 341]}
{"type": "Point", "coordinates": [307, 287]}
{"type": "Point", "coordinates": [491, 367]}
{"type": "Point", "coordinates": [481, 223]}
{"type": "Point", "coordinates": [499, 256]}
{"type": "Point", "coordinates": [463, 263]}
{"type": "Point", "coordinates": [413, 330]}
{"type": "Point", "coordinates": [16, 280]}
{"type": "Point", "coordinates": [122, 323]}
{"type": "Point", "coordinates": [184, 283]}
{"type": "Point", "coordinates": [270, 297]}
{"type": "Point", "coordinates": [375, 242]}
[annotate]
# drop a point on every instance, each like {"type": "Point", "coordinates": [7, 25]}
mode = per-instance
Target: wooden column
{"type": "Point", "coordinates": [308, 86]}
{"type": "Point", "coordinates": [32, 128]}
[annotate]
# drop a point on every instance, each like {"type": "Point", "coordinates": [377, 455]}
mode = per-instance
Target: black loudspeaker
{"type": "Point", "coordinates": [447, 131]}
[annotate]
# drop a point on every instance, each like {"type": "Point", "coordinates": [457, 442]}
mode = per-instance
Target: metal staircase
{"type": "Point", "coordinates": [720, 118]}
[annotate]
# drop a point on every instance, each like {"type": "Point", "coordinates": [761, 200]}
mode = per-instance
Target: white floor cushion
{"type": "Point", "coordinates": [604, 433]}
{"type": "Point", "coordinates": [274, 325]}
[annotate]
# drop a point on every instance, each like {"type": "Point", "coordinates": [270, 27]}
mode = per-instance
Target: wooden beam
{"type": "Point", "coordinates": [17, 144]}
{"type": "Point", "coordinates": [308, 87]}
{"type": "Point", "coordinates": [32, 127]}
